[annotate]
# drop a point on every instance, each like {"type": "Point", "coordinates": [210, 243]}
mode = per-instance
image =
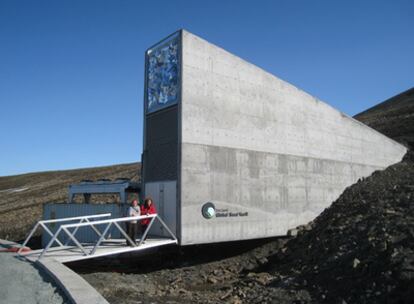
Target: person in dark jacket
{"type": "Point", "coordinates": [147, 208]}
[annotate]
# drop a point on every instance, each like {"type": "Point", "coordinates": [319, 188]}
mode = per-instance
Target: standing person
{"type": "Point", "coordinates": [133, 210]}
{"type": "Point", "coordinates": [147, 208]}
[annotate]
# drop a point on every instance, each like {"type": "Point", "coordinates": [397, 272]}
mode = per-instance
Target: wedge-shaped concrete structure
{"type": "Point", "coordinates": [232, 152]}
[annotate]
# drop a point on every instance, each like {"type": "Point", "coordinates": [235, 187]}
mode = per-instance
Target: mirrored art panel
{"type": "Point", "coordinates": [163, 74]}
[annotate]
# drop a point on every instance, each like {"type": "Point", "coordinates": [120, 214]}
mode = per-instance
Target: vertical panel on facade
{"type": "Point", "coordinates": [161, 127]}
{"type": "Point", "coordinates": [161, 139]}
{"type": "Point", "coordinates": [162, 94]}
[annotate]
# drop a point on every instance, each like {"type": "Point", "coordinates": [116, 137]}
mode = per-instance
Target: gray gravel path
{"type": "Point", "coordinates": [21, 282]}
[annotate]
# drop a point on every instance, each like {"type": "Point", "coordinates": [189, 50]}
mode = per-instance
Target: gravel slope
{"type": "Point", "coordinates": [359, 250]}
{"type": "Point", "coordinates": [393, 117]}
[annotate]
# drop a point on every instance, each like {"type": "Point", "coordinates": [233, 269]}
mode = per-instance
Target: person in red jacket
{"type": "Point", "coordinates": [147, 208]}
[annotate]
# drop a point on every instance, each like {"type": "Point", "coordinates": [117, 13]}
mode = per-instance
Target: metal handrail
{"type": "Point", "coordinates": [65, 228]}
{"type": "Point", "coordinates": [120, 219]}
{"type": "Point", "coordinates": [66, 219]}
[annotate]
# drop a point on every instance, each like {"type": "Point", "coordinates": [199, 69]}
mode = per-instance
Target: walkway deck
{"type": "Point", "coordinates": [66, 254]}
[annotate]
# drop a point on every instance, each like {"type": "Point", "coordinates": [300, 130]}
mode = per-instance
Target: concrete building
{"type": "Point", "coordinates": [232, 152]}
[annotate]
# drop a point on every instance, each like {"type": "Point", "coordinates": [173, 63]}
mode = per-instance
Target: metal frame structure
{"type": "Point", "coordinates": [84, 222]}
{"type": "Point", "coordinates": [119, 187]}
{"type": "Point", "coordinates": [42, 223]}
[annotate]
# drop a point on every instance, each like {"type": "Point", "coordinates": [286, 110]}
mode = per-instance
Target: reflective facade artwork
{"type": "Point", "coordinates": [163, 74]}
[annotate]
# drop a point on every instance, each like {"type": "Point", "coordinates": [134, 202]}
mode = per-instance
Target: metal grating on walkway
{"type": "Point", "coordinates": [72, 253]}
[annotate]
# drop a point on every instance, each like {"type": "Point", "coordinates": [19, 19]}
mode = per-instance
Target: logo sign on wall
{"type": "Point", "coordinates": [208, 210]}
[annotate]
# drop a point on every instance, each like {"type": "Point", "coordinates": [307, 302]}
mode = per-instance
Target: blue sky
{"type": "Point", "coordinates": [71, 72]}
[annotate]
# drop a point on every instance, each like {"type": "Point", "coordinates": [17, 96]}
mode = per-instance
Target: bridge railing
{"type": "Point", "coordinates": [107, 223]}
{"type": "Point", "coordinates": [43, 224]}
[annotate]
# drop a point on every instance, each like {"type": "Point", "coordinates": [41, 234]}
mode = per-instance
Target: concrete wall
{"type": "Point", "coordinates": [254, 143]}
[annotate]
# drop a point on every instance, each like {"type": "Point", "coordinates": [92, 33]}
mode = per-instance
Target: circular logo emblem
{"type": "Point", "coordinates": [208, 210]}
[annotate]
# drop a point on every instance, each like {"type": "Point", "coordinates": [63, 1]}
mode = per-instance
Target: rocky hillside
{"type": "Point", "coordinates": [22, 196]}
{"type": "Point", "coordinates": [359, 250]}
{"type": "Point", "coordinates": [393, 117]}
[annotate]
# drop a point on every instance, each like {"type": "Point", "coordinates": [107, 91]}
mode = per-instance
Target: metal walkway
{"type": "Point", "coordinates": [104, 245]}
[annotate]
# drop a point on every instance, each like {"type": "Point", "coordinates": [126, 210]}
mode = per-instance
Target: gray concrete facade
{"type": "Point", "coordinates": [267, 155]}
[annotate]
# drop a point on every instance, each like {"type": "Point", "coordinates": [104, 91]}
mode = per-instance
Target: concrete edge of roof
{"type": "Point", "coordinates": [8, 243]}
{"type": "Point", "coordinates": [76, 288]}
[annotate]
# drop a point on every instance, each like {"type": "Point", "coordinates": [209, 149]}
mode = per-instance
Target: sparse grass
{"type": "Point", "coordinates": [20, 210]}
